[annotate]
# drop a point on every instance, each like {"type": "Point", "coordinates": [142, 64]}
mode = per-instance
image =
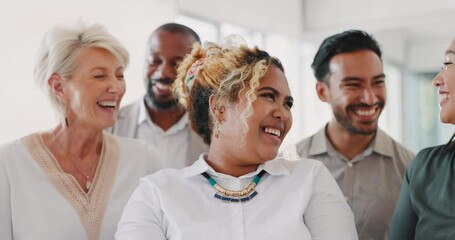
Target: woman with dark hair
{"type": "Point", "coordinates": [239, 101]}
{"type": "Point", "coordinates": [426, 207]}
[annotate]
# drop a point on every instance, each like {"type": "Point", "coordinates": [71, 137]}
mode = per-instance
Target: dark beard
{"type": "Point", "coordinates": [347, 123]}
{"type": "Point", "coordinates": [158, 105]}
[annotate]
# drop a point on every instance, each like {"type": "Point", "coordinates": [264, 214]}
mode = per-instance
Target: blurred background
{"type": "Point", "coordinates": [413, 34]}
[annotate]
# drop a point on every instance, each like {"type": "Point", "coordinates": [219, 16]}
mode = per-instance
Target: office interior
{"type": "Point", "coordinates": [413, 35]}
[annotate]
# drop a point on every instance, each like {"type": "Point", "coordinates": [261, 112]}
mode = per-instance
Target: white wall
{"type": "Point", "coordinates": [23, 23]}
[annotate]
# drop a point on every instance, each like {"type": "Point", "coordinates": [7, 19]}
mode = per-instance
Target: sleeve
{"type": "Point", "coordinates": [6, 232]}
{"type": "Point", "coordinates": [142, 216]}
{"type": "Point", "coordinates": [404, 218]}
{"type": "Point", "coordinates": [328, 216]}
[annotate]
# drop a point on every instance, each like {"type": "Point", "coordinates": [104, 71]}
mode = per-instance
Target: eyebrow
{"type": "Point", "coordinates": [382, 75]}
{"type": "Point", "coordinates": [288, 98]}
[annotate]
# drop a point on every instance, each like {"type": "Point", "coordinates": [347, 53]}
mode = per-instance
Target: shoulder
{"type": "Point", "coordinates": [134, 147]}
{"type": "Point", "coordinates": [386, 144]}
{"type": "Point", "coordinates": [11, 149]}
{"type": "Point", "coordinates": [428, 154]}
{"type": "Point", "coordinates": [14, 152]}
{"type": "Point", "coordinates": [301, 168]}
{"type": "Point", "coordinates": [303, 146]}
{"type": "Point", "coordinates": [163, 179]}
{"type": "Point", "coordinates": [134, 106]}
{"type": "Point", "coordinates": [429, 161]}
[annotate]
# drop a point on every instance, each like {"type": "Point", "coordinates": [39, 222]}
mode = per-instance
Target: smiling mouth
{"type": "Point", "coordinates": [365, 113]}
{"type": "Point", "coordinates": [272, 131]}
{"type": "Point", "coordinates": [107, 104]}
{"type": "Point", "coordinates": [444, 96]}
{"type": "Point", "coordinates": [163, 86]}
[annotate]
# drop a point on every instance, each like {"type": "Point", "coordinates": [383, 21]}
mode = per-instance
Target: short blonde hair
{"type": "Point", "coordinates": [61, 47]}
{"type": "Point", "coordinates": [224, 74]}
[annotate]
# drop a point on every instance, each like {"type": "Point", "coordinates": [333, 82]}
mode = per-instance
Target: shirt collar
{"type": "Point", "coordinates": [145, 117]}
{"type": "Point", "coordinates": [380, 144]}
{"type": "Point", "coordinates": [272, 167]}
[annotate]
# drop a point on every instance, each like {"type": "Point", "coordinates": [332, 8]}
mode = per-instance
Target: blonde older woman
{"type": "Point", "coordinates": [239, 101]}
{"type": "Point", "coordinates": [72, 181]}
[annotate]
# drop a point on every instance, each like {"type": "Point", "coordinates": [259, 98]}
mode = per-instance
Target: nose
{"type": "Point", "coordinates": [116, 87]}
{"type": "Point", "coordinates": [166, 70]}
{"type": "Point", "coordinates": [281, 112]}
{"type": "Point", "coordinates": [369, 95]}
{"type": "Point", "coordinates": [437, 81]}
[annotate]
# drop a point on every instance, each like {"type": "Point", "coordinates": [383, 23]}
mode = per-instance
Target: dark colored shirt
{"type": "Point", "coordinates": [426, 206]}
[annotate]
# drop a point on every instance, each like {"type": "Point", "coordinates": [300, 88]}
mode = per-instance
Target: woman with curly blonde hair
{"type": "Point", "coordinates": [239, 102]}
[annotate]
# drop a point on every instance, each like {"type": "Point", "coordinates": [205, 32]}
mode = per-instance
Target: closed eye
{"type": "Point", "coordinates": [446, 65]}
{"type": "Point", "coordinates": [268, 95]}
{"type": "Point", "coordinates": [289, 104]}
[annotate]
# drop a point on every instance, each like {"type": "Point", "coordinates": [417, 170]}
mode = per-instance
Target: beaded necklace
{"type": "Point", "coordinates": [246, 194]}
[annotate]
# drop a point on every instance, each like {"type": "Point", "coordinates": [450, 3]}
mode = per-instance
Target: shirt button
{"type": "Point", "coordinates": [350, 164]}
{"type": "Point", "coordinates": [346, 198]}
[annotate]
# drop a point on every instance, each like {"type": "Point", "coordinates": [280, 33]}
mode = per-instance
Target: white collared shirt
{"type": "Point", "coordinates": [295, 200]}
{"type": "Point", "coordinates": [171, 145]}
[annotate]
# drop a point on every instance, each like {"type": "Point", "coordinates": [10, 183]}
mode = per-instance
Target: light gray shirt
{"type": "Point", "coordinates": [178, 147]}
{"type": "Point", "coordinates": [370, 181]}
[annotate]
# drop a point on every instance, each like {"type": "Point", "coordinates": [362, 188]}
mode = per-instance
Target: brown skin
{"type": "Point", "coordinates": [165, 51]}
{"type": "Point", "coordinates": [357, 95]}
{"type": "Point", "coordinates": [98, 77]}
{"type": "Point", "coordinates": [271, 109]}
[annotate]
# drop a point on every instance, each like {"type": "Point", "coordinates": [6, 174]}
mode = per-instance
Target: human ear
{"type": "Point", "coordinates": [322, 89]}
{"type": "Point", "coordinates": [56, 84]}
{"type": "Point", "coordinates": [216, 108]}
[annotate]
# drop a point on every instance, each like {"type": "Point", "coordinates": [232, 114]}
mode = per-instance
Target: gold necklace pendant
{"type": "Point", "coordinates": [88, 183]}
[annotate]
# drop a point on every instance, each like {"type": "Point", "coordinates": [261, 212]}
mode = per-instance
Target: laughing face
{"type": "Point", "coordinates": [268, 125]}
{"type": "Point", "coordinates": [165, 50]}
{"type": "Point", "coordinates": [92, 96]}
{"type": "Point", "coordinates": [356, 90]}
{"type": "Point", "coordinates": [444, 81]}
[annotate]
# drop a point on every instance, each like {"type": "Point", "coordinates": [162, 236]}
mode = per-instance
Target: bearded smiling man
{"type": "Point", "coordinates": [157, 117]}
{"type": "Point", "coordinates": [367, 163]}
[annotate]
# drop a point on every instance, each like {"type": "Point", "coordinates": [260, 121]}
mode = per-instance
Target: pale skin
{"type": "Point", "coordinates": [271, 111]}
{"type": "Point", "coordinates": [97, 81]}
{"type": "Point", "coordinates": [356, 91]}
{"type": "Point", "coordinates": [166, 50]}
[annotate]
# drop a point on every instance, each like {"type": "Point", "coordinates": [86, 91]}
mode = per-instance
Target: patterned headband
{"type": "Point", "coordinates": [230, 42]}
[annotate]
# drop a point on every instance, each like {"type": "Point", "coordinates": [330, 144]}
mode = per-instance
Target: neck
{"type": "Point", "coordinates": [165, 119]}
{"type": "Point", "coordinates": [73, 141]}
{"type": "Point", "coordinates": [347, 143]}
{"type": "Point", "coordinates": [226, 163]}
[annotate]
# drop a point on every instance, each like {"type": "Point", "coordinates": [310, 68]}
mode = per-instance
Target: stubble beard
{"type": "Point", "coordinates": [157, 104]}
{"type": "Point", "coordinates": [346, 122]}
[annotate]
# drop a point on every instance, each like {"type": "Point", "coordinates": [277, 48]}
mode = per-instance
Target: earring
{"type": "Point", "coordinates": [218, 129]}
{"type": "Point", "coordinates": [65, 115]}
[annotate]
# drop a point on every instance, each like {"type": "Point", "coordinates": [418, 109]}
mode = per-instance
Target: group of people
{"type": "Point", "coordinates": [198, 157]}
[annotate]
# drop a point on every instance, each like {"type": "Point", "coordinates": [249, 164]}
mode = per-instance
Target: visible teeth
{"type": "Point", "coordinates": [365, 112]}
{"type": "Point", "coordinates": [111, 104]}
{"type": "Point", "coordinates": [162, 86]}
{"type": "Point", "coordinates": [273, 131]}
{"type": "Point", "coordinates": [444, 96]}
